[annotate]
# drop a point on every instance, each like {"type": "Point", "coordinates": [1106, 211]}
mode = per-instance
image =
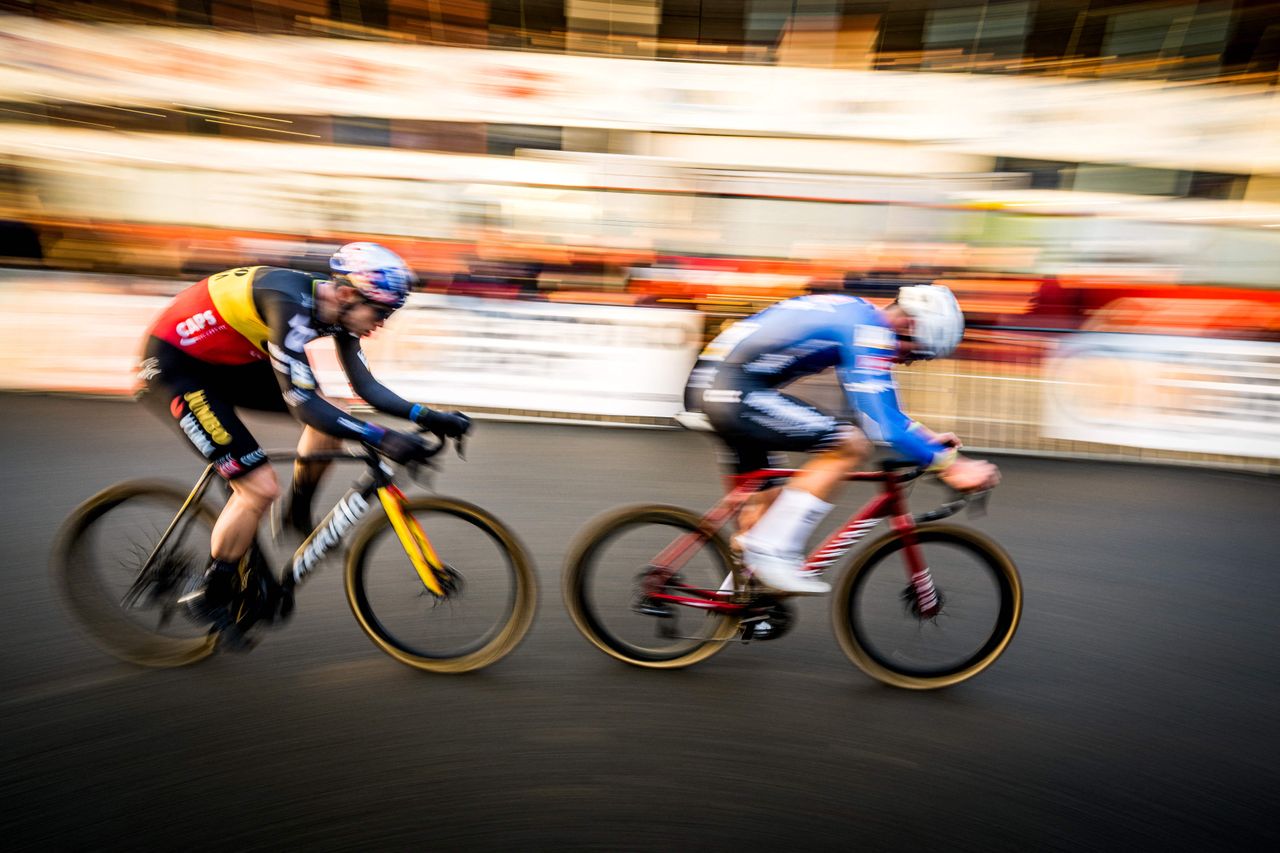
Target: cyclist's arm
{"type": "Point", "coordinates": [363, 382]}
{"type": "Point", "coordinates": [291, 329]}
{"type": "Point", "coordinates": [871, 392]}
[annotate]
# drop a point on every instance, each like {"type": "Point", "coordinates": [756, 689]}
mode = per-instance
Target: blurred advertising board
{"type": "Point", "coordinates": [84, 334]}
{"type": "Point", "coordinates": [72, 333]}
{"type": "Point", "coordinates": [1193, 394]}
{"type": "Point", "coordinates": [532, 357]}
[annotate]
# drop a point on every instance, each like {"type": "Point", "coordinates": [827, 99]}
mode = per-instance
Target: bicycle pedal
{"type": "Point", "coordinates": [659, 609]}
{"type": "Point", "coordinates": [235, 640]}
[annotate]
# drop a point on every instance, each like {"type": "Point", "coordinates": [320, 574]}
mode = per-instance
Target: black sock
{"type": "Point", "coordinates": [300, 507]}
{"type": "Point", "coordinates": [223, 567]}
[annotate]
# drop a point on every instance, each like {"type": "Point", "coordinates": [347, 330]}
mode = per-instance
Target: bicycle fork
{"type": "Point", "coordinates": [344, 516]}
{"type": "Point", "coordinates": [414, 540]}
{"type": "Point", "coordinates": [927, 601]}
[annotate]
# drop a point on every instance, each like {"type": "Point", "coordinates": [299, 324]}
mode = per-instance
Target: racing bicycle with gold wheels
{"type": "Point", "coordinates": [921, 607]}
{"type": "Point", "coordinates": [437, 583]}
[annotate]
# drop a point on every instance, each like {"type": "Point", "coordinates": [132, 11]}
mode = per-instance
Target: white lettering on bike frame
{"type": "Point", "coordinates": [840, 545]}
{"type": "Point", "coordinates": [330, 532]}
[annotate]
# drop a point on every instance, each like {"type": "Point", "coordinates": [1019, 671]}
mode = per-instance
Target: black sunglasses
{"type": "Point", "coordinates": [383, 311]}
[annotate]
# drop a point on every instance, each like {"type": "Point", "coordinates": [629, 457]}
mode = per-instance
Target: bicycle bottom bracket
{"type": "Point", "coordinates": [771, 624]}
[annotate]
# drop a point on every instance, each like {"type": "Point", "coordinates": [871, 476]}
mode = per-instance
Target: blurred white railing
{"type": "Point", "coordinates": [1130, 397]}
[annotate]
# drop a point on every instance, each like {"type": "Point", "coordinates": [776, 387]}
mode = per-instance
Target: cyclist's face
{"type": "Point", "coordinates": [902, 326]}
{"type": "Point", "coordinates": [362, 318]}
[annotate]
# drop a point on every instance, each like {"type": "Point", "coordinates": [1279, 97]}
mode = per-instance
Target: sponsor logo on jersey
{"type": "Point", "coordinates": [300, 332]}
{"type": "Point", "coordinates": [366, 430]}
{"type": "Point", "coordinates": [192, 329]}
{"type": "Point", "coordinates": [228, 466]}
{"type": "Point", "coordinates": [301, 376]}
{"type": "Point", "coordinates": [149, 369]}
{"type": "Point", "coordinates": [721, 395]}
{"type": "Point", "coordinates": [197, 436]}
{"type": "Point", "coordinates": [874, 337]}
{"type": "Point", "coordinates": [200, 408]}
{"type": "Point", "coordinates": [874, 362]}
{"type": "Point", "coordinates": [874, 387]}
{"type": "Point", "coordinates": [295, 397]}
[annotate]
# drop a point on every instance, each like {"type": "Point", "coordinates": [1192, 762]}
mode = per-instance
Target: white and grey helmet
{"type": "Point", "coordinates": [937, 321]}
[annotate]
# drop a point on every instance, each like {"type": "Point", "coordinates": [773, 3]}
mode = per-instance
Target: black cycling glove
{"type": "Point", "coordinates": [447, 424]}
{"type": "Point", "coordinates": [401, 447]}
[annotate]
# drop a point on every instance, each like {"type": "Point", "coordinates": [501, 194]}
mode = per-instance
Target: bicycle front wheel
{"type": "Point", "coordinates": [883, 634]}
{"type": "Point", "coordinates": [484, 615]}
{"type": "Point", "coordinates": [607, 572]}
{"type": "Point", "coordinates": [97, 566]}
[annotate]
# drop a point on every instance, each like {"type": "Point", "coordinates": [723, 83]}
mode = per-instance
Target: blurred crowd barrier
{"type": "Point", "coordinates": [1096, 394]}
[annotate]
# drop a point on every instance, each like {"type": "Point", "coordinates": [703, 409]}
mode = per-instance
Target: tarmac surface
{"type": "Point", "coordinates": [1134, 710]}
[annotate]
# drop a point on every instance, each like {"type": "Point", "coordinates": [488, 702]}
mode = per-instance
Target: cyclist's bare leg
{"type": "Point", "coordinates": [823, 474]}
{"type": "Point", "coordinates": [774, 547]}
{"type": "Point", "coordinates": [820, 477]}
{"type": "Point", "coordinates": [251, 496]}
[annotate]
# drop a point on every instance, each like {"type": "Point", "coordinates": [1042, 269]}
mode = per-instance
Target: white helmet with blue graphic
{"type": "Point", "coordinates": [937, 321]}
{"type": "Point", "coordinates": [381, 276]}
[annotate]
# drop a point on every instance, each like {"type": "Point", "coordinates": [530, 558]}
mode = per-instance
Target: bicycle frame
{"type": "Point", "coordinates": [890, 503]}
{"type": "Point", "coordinates": [329, 533]}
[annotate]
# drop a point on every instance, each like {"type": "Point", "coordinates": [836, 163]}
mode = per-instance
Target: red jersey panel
{"type": "Point", "coordinates": [193, 324]}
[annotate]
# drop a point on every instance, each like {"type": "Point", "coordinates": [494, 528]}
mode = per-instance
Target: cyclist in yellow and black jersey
{"type": "Point", "coordinates": [236, 340]}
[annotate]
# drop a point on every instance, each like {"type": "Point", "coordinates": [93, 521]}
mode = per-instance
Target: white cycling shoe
{"type": "Point", "coordinates": [780, 571]}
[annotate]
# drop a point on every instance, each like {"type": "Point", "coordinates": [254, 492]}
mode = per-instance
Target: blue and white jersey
{"type": "Point", "coordinates": [805, 335]}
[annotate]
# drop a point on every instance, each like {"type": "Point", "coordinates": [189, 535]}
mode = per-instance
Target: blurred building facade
{"type": "Point", "coordinates": [1162, 39]}
{"type": "Point", "coordinates": [681, 182]}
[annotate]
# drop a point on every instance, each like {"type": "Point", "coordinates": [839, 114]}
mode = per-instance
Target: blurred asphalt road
{"type": "Point", "coordinates": [1135, 710]}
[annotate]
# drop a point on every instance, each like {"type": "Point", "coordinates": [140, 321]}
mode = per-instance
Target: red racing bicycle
{"type": "Point", "coordinates": [923, 606]}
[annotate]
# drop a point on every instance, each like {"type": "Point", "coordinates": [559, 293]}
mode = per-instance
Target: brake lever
{"type": "Point", "coordinates": [459, 448]}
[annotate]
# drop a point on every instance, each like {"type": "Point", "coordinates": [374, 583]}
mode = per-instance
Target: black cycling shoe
{"type": "Point", "coordinates": [210, 602]}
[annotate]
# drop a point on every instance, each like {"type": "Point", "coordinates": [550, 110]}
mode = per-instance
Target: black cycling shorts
{"type": "Point", "coordinates": [753, 420]}
{"type": "Point", "coordinates": [199, 399]}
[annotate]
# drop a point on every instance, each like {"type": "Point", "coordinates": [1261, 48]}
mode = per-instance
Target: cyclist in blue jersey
{"type": "Point", "coordinates": [736, 385]}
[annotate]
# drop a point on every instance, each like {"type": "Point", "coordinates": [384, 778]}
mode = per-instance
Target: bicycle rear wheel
{"type": "Point", "coordinates": [97, 562]}
{"type": "Point", "coordinates": [604, 578]}
{"type": "Point", "coordinates": [880, 631]}
{"type": "Point", "coordinates": [484, 615]}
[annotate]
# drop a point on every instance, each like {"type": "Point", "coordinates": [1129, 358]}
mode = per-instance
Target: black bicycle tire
{"type": "Point", "coordinates": [507, 638]}
{"type": "Point", "coordinates": [118, 637]}
{"type": "Point", "coordinates": [577, 565]}
{"type": "Point", "coordinates": [1008, 582]}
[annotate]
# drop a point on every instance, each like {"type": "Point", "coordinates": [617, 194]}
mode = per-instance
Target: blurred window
{"type": "Point", "coordinates": [1217, 185]}
{"type": "Point", "coordinates": [1041, 174]}
{"type": "Point", "coordinates": [995, 30]}
{"type": "Point", "coordinates": [1133, 180]}
{"type": "Point", "coordinates": [362, 130]}
{"type": "Point", "coordinates": [507, 139]}
{"type": "Point", "coordinates": [360, 13]}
